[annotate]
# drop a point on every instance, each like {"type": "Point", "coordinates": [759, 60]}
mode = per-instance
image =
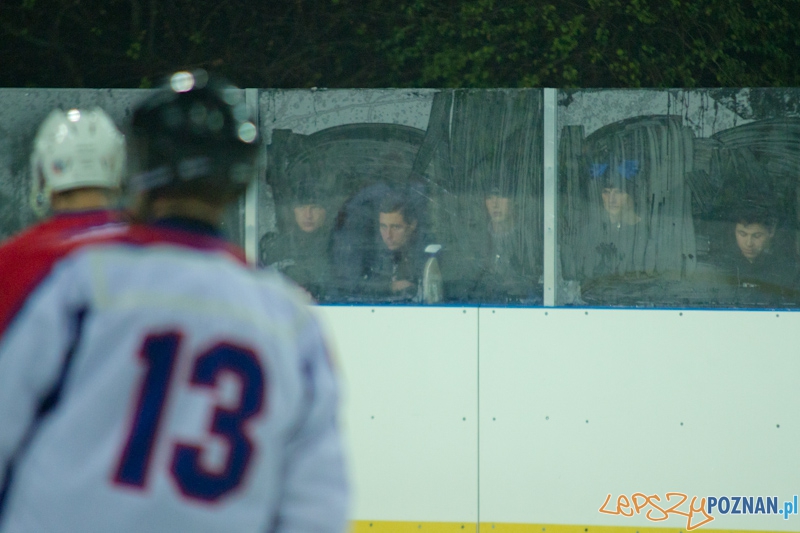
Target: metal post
{"type": "Point", "coordinates": [550, 196]}
{"type": "Point", "coordinates": [251, 196]}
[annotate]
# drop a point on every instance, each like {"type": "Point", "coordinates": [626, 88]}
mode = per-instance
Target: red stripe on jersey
{"type": "Point", "coordinates": [26, 260]}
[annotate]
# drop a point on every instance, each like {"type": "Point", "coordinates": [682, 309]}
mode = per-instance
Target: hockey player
{"type": "Point", "coordinates": [77, 162]}
{"type": "Point", "coordinates": [155, 382]}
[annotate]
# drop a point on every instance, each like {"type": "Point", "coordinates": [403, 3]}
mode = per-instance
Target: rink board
{"type": "Point", "coordinates": [527, 419]}
{"type": "Point", "coordinates": [410, 406]}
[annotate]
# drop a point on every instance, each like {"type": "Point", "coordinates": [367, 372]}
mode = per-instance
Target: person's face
{"type": "Point", "coordinates": [615, 201]}
{"type": "Point", "coordinates": [753, 239]}
{"type": "Point", "coordinates": [497, 207]}
{"type": "Point", "coordinates": [309, 217]}
{"type": "Point", "coordinates": [395, 231]}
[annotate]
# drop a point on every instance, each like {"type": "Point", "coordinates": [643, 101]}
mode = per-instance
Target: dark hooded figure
{"type": "Point", "coordinates": [302, 252]}
{"type": "Point", "coordinates": [616, 239]}
{"type": "Point", "coordinates": [504, 271]}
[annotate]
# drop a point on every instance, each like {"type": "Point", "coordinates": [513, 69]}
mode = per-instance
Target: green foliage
{"type": "Point", "coordinates": [405, 43]}
{"type": "Point", "coordinates": [604, 43]}
{"type": "Point", "coordinates": [134, 51]}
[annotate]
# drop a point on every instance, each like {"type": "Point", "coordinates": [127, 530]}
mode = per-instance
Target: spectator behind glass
{"type": "Point", "coordinates": [397, 266]}
{"type": "Point", "coordinates": [755, 262]}
{"type": "Point", "coordinates": [617, 243]}
{"type": "Point", "coordinates": [505, 274]}
{"type": "Point", "coordinates": [302, 252]}
{"type": "Point", "coordinates": [619, 207]}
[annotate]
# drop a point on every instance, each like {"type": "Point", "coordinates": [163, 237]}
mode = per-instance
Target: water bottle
{"type": "Point", "coordinates": [432, 289]}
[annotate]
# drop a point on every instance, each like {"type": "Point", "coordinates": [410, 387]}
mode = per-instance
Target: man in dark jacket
{"type": "Point", "coordinates": [395, 272]}
{"type": "Point", "coordinates": [761, 271]}
{"type": "Point", "coordinates": [301, 253]}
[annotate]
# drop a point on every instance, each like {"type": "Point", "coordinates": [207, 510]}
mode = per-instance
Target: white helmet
{"type": "Point", "coordinates": [75, 149]}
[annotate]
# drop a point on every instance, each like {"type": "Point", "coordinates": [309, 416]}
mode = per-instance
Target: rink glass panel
{"type": "Point", "coordinates": [687, 162]}
{"type": "Point", "coordinates": [652, 185]}
{"type": "Point", "coordinates": [443, 154]}
{"type": "Point", "coordinates": [22, 112]}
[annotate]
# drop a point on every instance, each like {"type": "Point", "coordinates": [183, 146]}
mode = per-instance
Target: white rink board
{"type": "Point", "coordinates": [676, 401]}
{"type": "Point", "coordinates": [409, 410]}
{"type": "Point", "coordinates": [683, 401]}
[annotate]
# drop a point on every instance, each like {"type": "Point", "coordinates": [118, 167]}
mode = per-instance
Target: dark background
{"type": "Point", "coordinates": [403, 43]}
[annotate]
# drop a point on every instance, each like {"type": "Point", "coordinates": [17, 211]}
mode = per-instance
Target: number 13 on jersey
{"type": "Point", "coordinates": [159, 355]}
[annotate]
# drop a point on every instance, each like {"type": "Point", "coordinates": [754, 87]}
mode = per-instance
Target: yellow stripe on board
{"type": "Point", "coordinates": [558, 528]}
{"type": "Point", "coordinates": [380, 526]}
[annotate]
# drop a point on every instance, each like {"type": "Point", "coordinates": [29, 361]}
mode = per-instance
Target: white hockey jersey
{"type": "Point", "coordinates": [153, 382]}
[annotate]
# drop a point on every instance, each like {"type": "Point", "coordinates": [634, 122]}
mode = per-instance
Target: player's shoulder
{"type": "Point", "coordinates": [200, 251]}
{"type": "Point", "coordinates": [30, 257]}
{"type": "Point", "coordinates": [43, 245]}
{"type": "Point", "coordinates": [143, 237]}
{"type": "Point", "coordinates": [58, 230]}
{"type": "Point", "coordinates": [32, 237]}
{"type": "Point", "coordinates": [278, 287]}
{"type": "Point", "coordinates": [281, 306]}
{"type": "Point", "coordinates": [146, 235]}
